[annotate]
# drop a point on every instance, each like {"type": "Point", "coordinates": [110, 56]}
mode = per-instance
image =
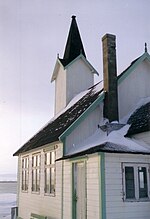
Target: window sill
{"type": "Point", "coordinates": [34, 192]}
{"type": "Point", "coordinates": [49, 194]}
{"type": "Point", "coordinates": [137, 200]}
{"type": "Point", "coordinates": [24, 191]}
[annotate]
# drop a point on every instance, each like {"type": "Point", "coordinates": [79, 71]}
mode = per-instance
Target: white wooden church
{"type": "Point", "coordinates": [92, 160]}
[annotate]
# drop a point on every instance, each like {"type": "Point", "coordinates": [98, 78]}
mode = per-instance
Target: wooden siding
{"type": "Point", "coordinates": [79, 78]}
{"type": "Point", "coordinates": [93, 195]}
{"type": "Point", "coordinates": [48, 205]}
{"type": "Point", "coordinates": [116, 208]}
{"type": "Point", "coordinates": [144, 136]}
{"type": "Point", "coordinates": [76, 78]}
{"type": "Point", "coordinates": [67, 190]}
{"type": "Point", "coordinates": [133, 88]}
{"type": "Point", "coordinates": [92, 184]}
{"type": "Point", "coordinates": [85, 129]}
{"type": "Point", "coordinates": [60, 90]}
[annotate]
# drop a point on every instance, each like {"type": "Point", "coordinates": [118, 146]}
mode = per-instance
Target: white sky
{"type": "Point", "coordinates": [32, 32]}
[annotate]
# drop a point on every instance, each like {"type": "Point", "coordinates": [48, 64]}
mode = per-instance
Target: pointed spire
{"type": "Point", "coordinates": [74, 46]}
{"type": "Point", "coordinates": [145, 47]}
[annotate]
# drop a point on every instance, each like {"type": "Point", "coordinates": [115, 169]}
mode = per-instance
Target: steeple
{"type": "Point", "coordinates": [74, 46]}
{"type": "Point", "coordinates": [73, 73]}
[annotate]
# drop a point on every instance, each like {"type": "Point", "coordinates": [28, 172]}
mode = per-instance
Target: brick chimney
{"type": "Point", "coordinates": [110, 77]}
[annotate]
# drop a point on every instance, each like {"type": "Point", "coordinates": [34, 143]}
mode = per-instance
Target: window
{"type": "Point", "coordinates": [136, 181]}
{"type": "Point", "coordinates": [36, 162]}
{"type": "Point", "coordinates": [25, 173]}
{"type": "Point", "coordinates": [50, 172]}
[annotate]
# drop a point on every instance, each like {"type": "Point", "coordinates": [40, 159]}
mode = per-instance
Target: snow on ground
{"type": "Point", "coordinates": [7, 201]}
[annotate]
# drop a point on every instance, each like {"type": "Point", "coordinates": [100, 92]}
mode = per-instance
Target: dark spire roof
{"type": "Point", "coordinates": [74, 46]}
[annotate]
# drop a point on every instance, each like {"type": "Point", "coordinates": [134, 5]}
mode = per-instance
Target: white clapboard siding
{"type": "Point", "coordinates": [40, 203]}
{"type": "Point", "coordinates": [67, 190]}
{"type": "Point", "coordinates": [79, 78]}
{"type": "Point", "coordinates": [60, 90]}
{"type": "Point", "coordinates": [144, 136]}
{"type": "Point", "coordinates": [116, 208]}
{"type": "Point", "coordinates": [70, 81]}
{"type": "Point", "coordinates": [93, 187]}
{"type": "Point", "coordinates": [133, 88]}
{"type": "Point", "coordinates": [84, 130]}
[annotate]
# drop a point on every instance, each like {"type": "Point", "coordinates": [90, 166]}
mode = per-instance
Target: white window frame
{"type": "Point", "coordinates": [25, 173]}
{"type": "Point", "coordinates": [136, 181]}
{"type": "Point", "coordinates": [49, 165]}
{"type": "Point", "coordinates": [36, 168]}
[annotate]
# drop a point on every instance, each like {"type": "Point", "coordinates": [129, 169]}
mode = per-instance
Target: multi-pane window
{"type": "Point", "coordinates": [136, 179]}
{"type": "Point", "coordinates": [25, 173]}
{"type": "Point", "coordinates": [36, 162]}
{"type": "Point", "coordinates": [50, 172]}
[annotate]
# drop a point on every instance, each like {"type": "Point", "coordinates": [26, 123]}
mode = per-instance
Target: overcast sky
{"type": "Point", "coordinates": [32, 32]}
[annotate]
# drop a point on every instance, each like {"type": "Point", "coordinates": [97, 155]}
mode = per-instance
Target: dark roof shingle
{"type": "Point", "coordinates": [52, 131]}
{"type": "Point", "coordinates": [139, 120]}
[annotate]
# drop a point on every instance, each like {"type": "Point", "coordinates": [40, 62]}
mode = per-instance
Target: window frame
{"type": "Point", "coordinates": [25, 172]}
{"type": "Point", "coordinates": [136, 181]}
{"type": "Point", "coordinates": [49, 166]}
{"type": "Point", "coordinates": [37, 169]}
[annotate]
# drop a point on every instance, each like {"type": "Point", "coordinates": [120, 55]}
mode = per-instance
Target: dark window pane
{"type": "Point", "coordinates": [129, 182]}
{"type": "Point", "coordinates": [142, 177]}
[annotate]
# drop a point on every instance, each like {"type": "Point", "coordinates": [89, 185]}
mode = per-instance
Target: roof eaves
{"type": "Point", "coordinates": [94, 71]}
{"type": "Point", "coordinates": [125, 73]}
{"type": "Point", "coordinates": [82, 116]}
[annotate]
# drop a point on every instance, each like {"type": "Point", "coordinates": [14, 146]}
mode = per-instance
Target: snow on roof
{"type": "Point", "coordinates": [114, 142]}
{"type": "Point", "coordinates": [142, 102]}
{"type": "Point", "coordinates": [52, 130]}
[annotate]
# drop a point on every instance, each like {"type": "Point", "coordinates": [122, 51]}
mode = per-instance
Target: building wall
{"type": "Point", "coordinates": [71, 81]}
{"type": "Point", "coordinates": [79, 78]}
{"type": "Point", "coordinates": [133, 88]}
{"type": "Point", "coordinates": [41, 204]}
{"type": "Point", "coordinates": [61, 204]}
{"type": "Point", "coordinates": [116, 208]}
{"type": "Point", "coordinates": [86, 128]}
{"type": "Point", "coordinates": [144, 136]}
{"type": "Point", "coordinates": [60, 90]}
{"type": "Point", "coordinates": [92, 185]}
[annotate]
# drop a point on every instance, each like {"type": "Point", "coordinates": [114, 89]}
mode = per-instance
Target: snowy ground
{"type": "Point", "coordinates": [7, 199]}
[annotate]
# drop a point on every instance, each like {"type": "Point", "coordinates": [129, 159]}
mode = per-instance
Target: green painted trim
{"type": "Point", "coordinates": [102, 183]}
{"type": "Point", "coordinates": [81, 117]}
{"type": "Point", "coordinates": [72, 192]}
{"type": "Point", "coordinates": [36, 216]}
{"type": "Point", "coordinates": [62, 182]}
{"type": "Point", "coordinates": [129, 70]}
{"type": "Point", "coordinates": [86, 61]}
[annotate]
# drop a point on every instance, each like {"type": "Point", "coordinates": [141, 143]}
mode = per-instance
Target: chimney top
{"type": "Point", "coordinates": [108, 35]}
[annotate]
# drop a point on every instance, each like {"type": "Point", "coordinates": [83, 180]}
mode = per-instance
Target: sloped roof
{"type": "Point", "coordinates": [133, 65]}
{"type": "Point", "coordinates": [74, 46]}
{"type": "Point", "coordinates": [51, 132]}
{"type": "Point", "coordinates": [139, 120]}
